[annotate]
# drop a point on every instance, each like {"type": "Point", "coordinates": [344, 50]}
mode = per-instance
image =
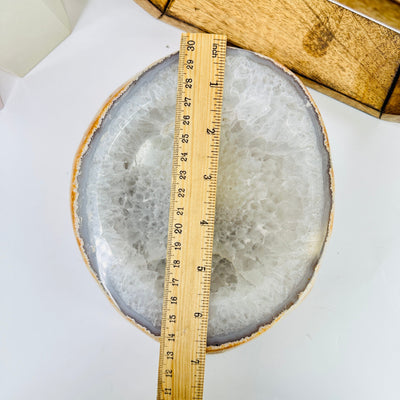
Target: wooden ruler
{"type": "Point", "coordinates": [191, 218]}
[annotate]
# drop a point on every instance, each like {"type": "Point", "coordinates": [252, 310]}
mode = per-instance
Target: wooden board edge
{"type": "Point", "coordinates": [391, 106]}
{"type": "Point", "coordinates": [390, 117]}
{"type": "Point", "coordinates": [149, 7]}
{"type": "Point", "coordinates": [180, 24]}
{"type": "Point", "coordinates": [339, 96]}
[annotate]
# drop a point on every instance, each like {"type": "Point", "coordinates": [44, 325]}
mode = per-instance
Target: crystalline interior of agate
{"type": "Point", "coordinates": [273, 197]}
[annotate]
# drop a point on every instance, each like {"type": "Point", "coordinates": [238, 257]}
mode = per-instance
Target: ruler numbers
{"type": "Point", "coordinates": [191, 218]}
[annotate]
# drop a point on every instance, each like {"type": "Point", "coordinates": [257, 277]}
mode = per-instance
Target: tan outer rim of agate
{"type": "Point", "coordinates": [85, 144]}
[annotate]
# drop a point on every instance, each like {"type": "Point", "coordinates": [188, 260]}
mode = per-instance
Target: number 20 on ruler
{"type": "Point", "coordinates": [191, 218]}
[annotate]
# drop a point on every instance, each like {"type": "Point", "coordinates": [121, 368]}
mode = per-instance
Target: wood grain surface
{"type": "Point", "coordinates": [333, 49]}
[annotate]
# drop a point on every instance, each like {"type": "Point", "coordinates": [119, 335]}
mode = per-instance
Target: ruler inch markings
{"type": "Point", "coordinates": [191, 217]}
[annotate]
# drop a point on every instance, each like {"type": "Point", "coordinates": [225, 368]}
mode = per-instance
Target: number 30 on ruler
{"type": "Point", "coordinates": [191, 219]}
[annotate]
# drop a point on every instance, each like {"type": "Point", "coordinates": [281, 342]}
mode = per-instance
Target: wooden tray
{"type": "Point", "coordinates": [352, 57]}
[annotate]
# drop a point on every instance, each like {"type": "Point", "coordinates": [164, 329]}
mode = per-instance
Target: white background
{"type": "Point", "coordinates": [60, 338]}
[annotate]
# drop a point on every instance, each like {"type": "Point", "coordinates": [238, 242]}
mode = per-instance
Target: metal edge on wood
{"type": "Point", "coordinates": [384, 11]}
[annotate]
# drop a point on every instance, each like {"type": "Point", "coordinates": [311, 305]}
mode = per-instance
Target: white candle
{"type": "Point", "coordinates": [31, 29]}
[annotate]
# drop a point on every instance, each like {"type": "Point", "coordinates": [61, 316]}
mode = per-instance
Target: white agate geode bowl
{"type": "Point", "coordinates": [274, 196]}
